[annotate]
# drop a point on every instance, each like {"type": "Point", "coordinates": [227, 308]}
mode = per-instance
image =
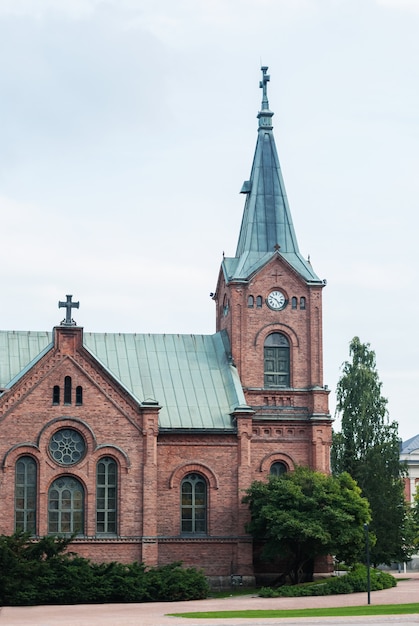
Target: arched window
{"type": "Point", "coordinates": [250, 302]}
{"type": "Point", "coordinates": [293, 302]}
{"type": "Point", "coordinates": [25, 495]}
{"type": "Point", "coordinates": [66, 506]}
{"type": "Point", "coordinates": [67, 390]}
{"type": "Point", "coordinates": [56, 394]}
{"type": "Point", "coordinates": [259, 302]}
{"type": "Point", "coordinates": [278, 468]}
{"type": "Point", "coordinates": [106, 496]}
{"type": "Point", "coordinates": [79, 395]}
{"type": "Point", "coordinates": [277, 361]}
{"type": "Point", "coordinates": [193, 504]}
{"type": "Point", "coordinates": [302, 302]}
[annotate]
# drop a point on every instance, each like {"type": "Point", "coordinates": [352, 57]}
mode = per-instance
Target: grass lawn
{"type": "Point", "coordinates": [344, 611]}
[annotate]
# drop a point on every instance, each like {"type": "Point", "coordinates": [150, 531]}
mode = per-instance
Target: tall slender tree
{"type": "Point", "coordinates": [368, 448]}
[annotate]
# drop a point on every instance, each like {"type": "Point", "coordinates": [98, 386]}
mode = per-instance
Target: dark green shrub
{"type": "Point", "coordinates": [42, 572]}
{"type": "Point", "coordinates": [172, 582]}
{"type": "Point", "coordinates": [353, 582]}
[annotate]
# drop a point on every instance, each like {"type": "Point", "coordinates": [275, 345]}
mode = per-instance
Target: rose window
{"type": "Point", "coordinates": [67, 446]}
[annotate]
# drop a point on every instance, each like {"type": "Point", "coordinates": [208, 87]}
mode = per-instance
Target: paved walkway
{"type": "Point", "coordinates": [156, 614]}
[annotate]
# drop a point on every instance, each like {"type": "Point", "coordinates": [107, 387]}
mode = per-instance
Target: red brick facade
{"type": "Point", "coordinates": [278, 425]}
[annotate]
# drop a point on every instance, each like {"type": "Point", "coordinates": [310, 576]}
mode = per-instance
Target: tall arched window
{"type": "Point", "coordinates": [66, 506]}
{"type": "Point", "coordinates": [194, 504]}
{"type": "Point", "coordinates": [67, 390]}
{"type": "Point", "coordinates": [106, 496]}
{"type": "Point", "coordinates": [277, 361]}
{"type": "Point", "coordinates": [25, 495]}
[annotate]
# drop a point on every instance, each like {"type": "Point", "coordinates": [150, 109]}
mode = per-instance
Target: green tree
{"type": "Point", "coordinates": [414, 517]}
{"type": "Point", "coordinates": [304, 514]}
{"type": "Point", "coordinates": [368, 448]}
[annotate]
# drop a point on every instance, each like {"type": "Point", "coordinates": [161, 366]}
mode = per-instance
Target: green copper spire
{"type": "Point", "coordinates": [267, 227]}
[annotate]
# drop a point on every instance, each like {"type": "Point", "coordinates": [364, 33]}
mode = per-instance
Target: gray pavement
{"type": "Point", "coordinates": [156, 614]}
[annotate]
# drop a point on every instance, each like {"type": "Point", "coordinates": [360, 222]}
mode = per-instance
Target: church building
{"type": "Point", "coordinates": [144, 445]}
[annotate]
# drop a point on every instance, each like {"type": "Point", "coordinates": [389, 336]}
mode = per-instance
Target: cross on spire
{"type": "Point", "coordinates": [68, 305]}
{"type": "Point", "coordinates": [264, 85]}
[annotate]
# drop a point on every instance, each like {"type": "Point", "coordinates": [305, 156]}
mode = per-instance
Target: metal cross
{"type": "Point", "coordinates": [263, 85]}
{"type": "Point", "coordinates": [68, 305]}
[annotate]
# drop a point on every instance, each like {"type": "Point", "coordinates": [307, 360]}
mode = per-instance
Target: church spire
{"type": "Point", "coordinates": [267, 227]}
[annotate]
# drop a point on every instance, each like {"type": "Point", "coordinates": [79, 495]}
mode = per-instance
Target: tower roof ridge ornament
{"type": "Point", "coordinates": [265, 115]}
{"type": "Point", "coordinates": [68, 305]}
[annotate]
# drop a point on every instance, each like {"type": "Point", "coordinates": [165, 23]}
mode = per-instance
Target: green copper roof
{"type": "Point", "coordinates": [267, 227]}
{"type": "Point", "coordinates": [190, 376]}
{"type": "Point", "coordinates": [19, 351]}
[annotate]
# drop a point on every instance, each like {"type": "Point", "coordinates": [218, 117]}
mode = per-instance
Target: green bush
{"type": "Point", "coordinates": [44, 572]}
{"type": "Point", "coordinates": [353, 582]}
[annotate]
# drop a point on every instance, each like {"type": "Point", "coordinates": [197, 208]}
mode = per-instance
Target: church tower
{"type": "Point", "coordinates": [269, 300]}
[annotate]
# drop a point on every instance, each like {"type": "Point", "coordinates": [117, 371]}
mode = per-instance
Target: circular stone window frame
{"type": "Point", "coordinates": [69, 447]}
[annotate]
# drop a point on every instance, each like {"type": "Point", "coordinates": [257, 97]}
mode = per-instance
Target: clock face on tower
{"type": "Point", "coordinates": [276, 300]}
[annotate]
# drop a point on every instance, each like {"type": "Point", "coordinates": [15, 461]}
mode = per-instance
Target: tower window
{"type": "Point", "coordinates": [67, 390]}
{"type": "Point", "coordinates": [250, 302]}
{"type": "Point", "coordinates": [259, 302]}
{"type": "Point", "coordinates": [194, 504]}
{"type": "Point", "coordinates": [293, 302]}
{"type": "Point", "coordinates": [277, 361]}
{"type": "Point", "coordinates": [302, 303]}
{"type": "Point", "coordinates": [278, 468]}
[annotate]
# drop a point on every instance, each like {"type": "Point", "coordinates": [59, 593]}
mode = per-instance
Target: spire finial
{"type": "Point", "coordinates": [265, 115]}
{"type": "Point", "coordinates": [263, 85]}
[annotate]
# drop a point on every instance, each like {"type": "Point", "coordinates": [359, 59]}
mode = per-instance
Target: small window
{"type": "Point", "coordinates": [259, 302]}
{"type": "Point", "coordinates": [25, 495]}
{"type": "Point", "coordinates": [302, 303]}
{"type": "Point", "coordinates": [278, 468]}
{"type": "Point", "coordinates": [194, 504]}
{"type": "Point", "coordinates": [225, 305]}
{"type": "Point", "coordinates": [56, 394]}
{"type": "Point", "coordinates": [67, 390]}
{"type": "Point", "coordinates": [293, 302]}
{"type": "Point", "coordinates": [79, 395]}
{"type": "Point", "coordinates": [250, 302]}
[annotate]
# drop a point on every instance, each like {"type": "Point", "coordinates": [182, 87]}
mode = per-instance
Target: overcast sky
{"type": "Point", "coordinates": [127, 128]}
